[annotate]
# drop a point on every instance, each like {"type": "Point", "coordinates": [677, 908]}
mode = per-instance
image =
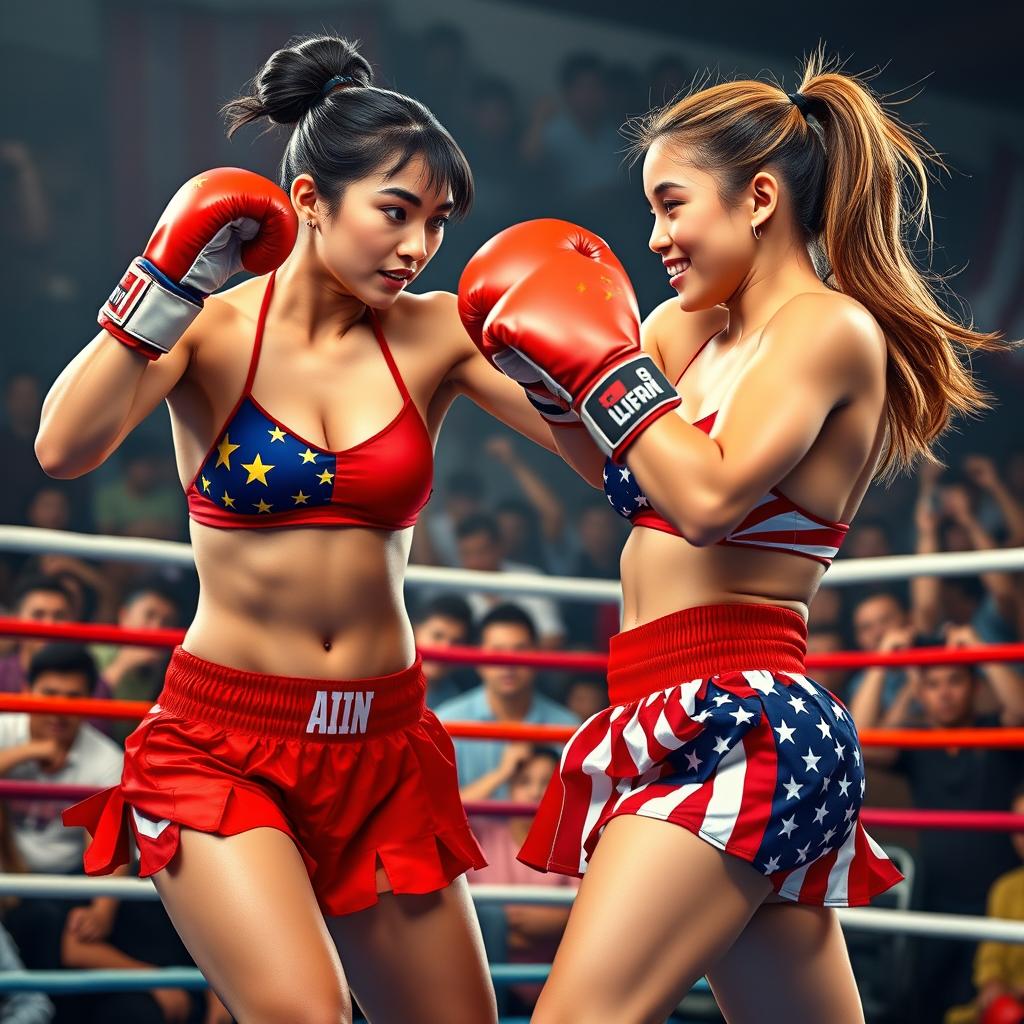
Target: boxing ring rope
{"type": "Point", "coordinates": [106, 980]}
{"type": "Point", "coordinates": [901, 567]}
{"type": "Point", "coordinates": [848, 572]}
{"type": "Point", "coordinates": [976, 821]}
{"type": "Point", "coordinates": [1007, 738]}
{"type": "Point", "coordinates": [1004, 738]}
{"type": "Point", "coordinates": [570, 661]}
{"type": "Point", "coordinates": [950, 926]}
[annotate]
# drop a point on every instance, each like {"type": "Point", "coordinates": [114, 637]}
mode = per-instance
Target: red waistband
{"type": "Point", "coordinates": [321, 710]}
{"type": "Point", "coordinates": [709, 640]}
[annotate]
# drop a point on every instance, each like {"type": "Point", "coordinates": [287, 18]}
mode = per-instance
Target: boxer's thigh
{"type": "Point", "coordinates": [418, 959]}
{"type": "Point", "coordinates": [244, 907]}
{"type": "Point", "coordinates": [656, 908]}
{"type": "Point", "coordinates": [790, 963]}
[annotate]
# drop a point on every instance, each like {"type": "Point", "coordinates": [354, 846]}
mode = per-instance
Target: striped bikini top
{"type": "Point", "coordinates": [775, 523]}
{"type": "Point", "coordinates": [258, 473]}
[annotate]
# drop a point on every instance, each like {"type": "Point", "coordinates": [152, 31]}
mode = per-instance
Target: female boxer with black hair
{"type": "Point", "coordinates": [289, 788]}
{"type": "Point", "coordinates": [715, 805]}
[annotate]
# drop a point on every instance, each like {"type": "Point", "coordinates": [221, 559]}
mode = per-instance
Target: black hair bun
{"type": "Point", "coordinates": [292, 81]}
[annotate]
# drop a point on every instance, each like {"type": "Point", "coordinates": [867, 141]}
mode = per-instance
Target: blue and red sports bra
{"type": "Point", "coordinates": [775, 523]}
{"type": "Point", "coordinates": [258, 473]}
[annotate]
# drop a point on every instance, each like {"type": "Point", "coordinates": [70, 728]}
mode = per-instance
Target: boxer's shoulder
{"type": "Point", "coordinates": [236, 308]}
{"type": "Point", "coordinates": [672, 335]}
{"type": "Point", "coordinates": [434, 315]}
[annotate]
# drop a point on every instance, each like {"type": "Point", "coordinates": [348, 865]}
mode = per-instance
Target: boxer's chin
{"type": "Point", "coordinates": [694, 299]}
{"type": "Point", "coordinates": [369, 291]}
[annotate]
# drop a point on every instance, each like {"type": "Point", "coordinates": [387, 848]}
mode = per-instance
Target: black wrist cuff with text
{"type": "Point", "coordinates": [624, 399]}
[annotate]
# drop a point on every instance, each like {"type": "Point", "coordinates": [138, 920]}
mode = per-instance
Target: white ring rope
{"type": "Point", "coordinates": [901, 922]}
{"type": "Point", "coordinates": [32, 540]}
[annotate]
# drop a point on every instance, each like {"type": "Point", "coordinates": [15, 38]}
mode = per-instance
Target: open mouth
{"type": "Point", "coordinates": [676, 268]}
{"type": "Point", "coordinates": [398, 276]}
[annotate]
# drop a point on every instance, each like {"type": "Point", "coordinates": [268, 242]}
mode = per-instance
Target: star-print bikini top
{"type": "Point", "coordinates": [259, 473]}
{"type": "Point", "coordinates": [775, 523]}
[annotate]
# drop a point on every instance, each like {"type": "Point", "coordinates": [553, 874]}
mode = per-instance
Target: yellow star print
{"type": "Point", "coordinates": [262, 506]}
{"type": "Point", "coordinates": [257, 470]}
{"type": "Point", "coordinates": [325, 477]}
{"type": "Point", "coordinates": [229, 502]}
{"type": "Point", "coordinates": [581, 287]}
{"type": "Point", "coordinates": [307, 456]}
{"type": "Point", "coordinates": [198, 182]}
{"type": "Point", "coordinates": [300, 498]}
{"type": "Point", "coordinates": [277, 434]}
{"type": "Point", "coordinates": [224, 450]}
{"type": "Point", "coordinates": [206, 484]}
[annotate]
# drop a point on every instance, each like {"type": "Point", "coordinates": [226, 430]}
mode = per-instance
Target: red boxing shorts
{"type": "Point", "coordinates": [355, 772]}
{"type": "Point", "coordinates": [715, 728]}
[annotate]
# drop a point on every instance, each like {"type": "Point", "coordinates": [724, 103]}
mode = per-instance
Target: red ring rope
{"type": "Point", "coordinates": [1004, 738]}
{"type": "Point", "coordinates": [565, 660]}
{"type": "Point", "coordinates": [882, 817]}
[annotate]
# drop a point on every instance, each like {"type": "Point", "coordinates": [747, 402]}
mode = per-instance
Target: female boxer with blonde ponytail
{"type": "Point", "coordinates": [289, 793]}
{"type": "Point", "coordinates": [714, 807]}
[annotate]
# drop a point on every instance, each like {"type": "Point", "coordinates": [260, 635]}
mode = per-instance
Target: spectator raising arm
{"type": "Point", "coordinates": [544, 501]}
{"type": "Point", "coordinates": [983, 473]}
{"type": "Point", "coordinates": [867, 704]}
{"type": "Point", "coordinates": [957, 504]}
{"type": "Point", "coordinates": [925, 591]}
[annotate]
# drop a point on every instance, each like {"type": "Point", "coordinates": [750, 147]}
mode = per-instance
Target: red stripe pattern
{"type": "Point", "coordinates": [763, 764]}
{"type": "Point", "coordinates": [775, 523]}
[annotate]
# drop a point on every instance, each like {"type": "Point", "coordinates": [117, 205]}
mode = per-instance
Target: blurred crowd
{"type": "Point", "coordinates": [526, 526]}
{"type": "Point", "coordinates": [499, 507]}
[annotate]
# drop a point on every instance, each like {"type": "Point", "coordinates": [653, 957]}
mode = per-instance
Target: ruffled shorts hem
{"type": "Point", "coordinates": [414, 866]}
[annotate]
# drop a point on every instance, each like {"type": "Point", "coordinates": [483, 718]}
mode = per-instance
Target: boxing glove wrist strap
{"type": "Point", "coordinates": [148, 311]}
{"type": "Point", "coordinates": [558, 414]}
{"type": "Point", "coordinates": [624, 402]}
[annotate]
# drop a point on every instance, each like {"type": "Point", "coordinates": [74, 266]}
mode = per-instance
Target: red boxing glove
{"type": "Point", "coordinates": [220, 222]}
{"type": "Point", "coordinates": [498, 265]}
{"type": "Point", "coordinates": [1003, 1010]}
{"type": "Point", "coordinates": [549, 299]}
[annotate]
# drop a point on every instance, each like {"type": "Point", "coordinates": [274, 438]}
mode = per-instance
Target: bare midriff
{"type": "Point", "coordinates": [662, 574]}
{"type": "Point", "coordinates": [317, 602]}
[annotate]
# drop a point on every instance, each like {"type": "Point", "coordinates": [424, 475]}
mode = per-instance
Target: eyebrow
{"type": "Point", "coordinates": [663, 187]}
{"type": "Point", "coordinates": [412, 198]}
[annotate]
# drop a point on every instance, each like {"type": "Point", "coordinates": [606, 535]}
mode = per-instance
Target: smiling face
{"type": "Point", "coordinates": [707, 247]}
{"type": "Point", "coordinates": [385, 230]}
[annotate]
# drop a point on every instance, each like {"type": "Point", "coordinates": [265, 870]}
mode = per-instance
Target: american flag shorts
{"type": "Point", "coordinates": [760, 761]}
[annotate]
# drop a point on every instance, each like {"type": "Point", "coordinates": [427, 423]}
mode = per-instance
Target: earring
{"type": "Point", "coordinates": [757, 234]}
{"type": "Point", "coordinates": [310, 223]}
